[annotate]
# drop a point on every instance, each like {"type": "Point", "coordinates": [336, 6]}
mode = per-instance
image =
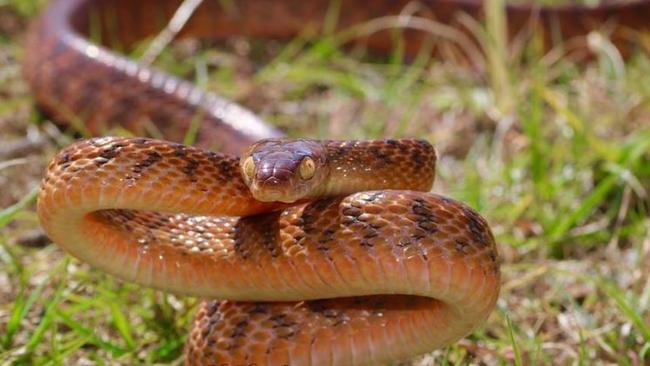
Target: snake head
{"type": "Point", "coordinates": [285, 170]}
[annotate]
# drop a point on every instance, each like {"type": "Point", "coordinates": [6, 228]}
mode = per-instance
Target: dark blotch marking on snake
{"type": "Point", "coordinates": [379, 154]}
{"type": "Point", "coordinates": [108, 154]}
{"type": "Point", "coordinates": [226, 169]}
{"type": "Point", "coordinates": [64, 160]}
{"type": "Point", "coordinates": [190, 168]}
{"type": "Point", "coordinates": [240, 329]}
{"type": "Point", "coordinates": [425, 219]}
{"type": "Point", "coordinates": [283, 321]}
{"type": "Point", "coordinates": [476, 227]}
{"type": "Point", "coordinates": [152, 158]}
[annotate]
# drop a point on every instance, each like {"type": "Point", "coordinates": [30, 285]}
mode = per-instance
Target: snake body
{"type": "Point", "coordinates": [404, 271]}
{"type": "Point", "coordinates": [321, 252]}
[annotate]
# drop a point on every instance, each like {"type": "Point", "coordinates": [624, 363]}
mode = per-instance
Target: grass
{"type": "Point", "coordinates": [555, 155]}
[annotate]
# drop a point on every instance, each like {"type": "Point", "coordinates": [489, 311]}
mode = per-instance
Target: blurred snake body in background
{"type": "Point", "coordinates": [320, 252]}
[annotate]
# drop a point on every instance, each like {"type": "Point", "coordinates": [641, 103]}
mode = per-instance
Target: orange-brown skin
{"type": "Point", "coordinates": [363, 278]}
{"type": "Point", "coordinates": [416, 271]}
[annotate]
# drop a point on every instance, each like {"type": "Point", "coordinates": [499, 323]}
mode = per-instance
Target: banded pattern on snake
{"type": "Point", "coordinates": [324, 252]}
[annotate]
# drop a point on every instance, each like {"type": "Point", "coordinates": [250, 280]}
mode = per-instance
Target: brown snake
{"type": "Point", "coordinates": [359, 266]}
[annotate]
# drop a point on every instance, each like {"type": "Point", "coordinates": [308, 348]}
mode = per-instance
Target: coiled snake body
{"type": "Point", "coordinates": [325, 252]}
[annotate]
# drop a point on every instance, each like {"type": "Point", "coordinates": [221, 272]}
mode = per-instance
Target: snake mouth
{"type": "Point", "coordinates": [270, 193]}
{"type": "Point", "coordinates": [275, 185]}
{"type": "Point", "coordinates": [274, 195]}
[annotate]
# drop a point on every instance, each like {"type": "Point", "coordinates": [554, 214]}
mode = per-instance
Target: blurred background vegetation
{"type": "Point", "coordinates": [555, 153]}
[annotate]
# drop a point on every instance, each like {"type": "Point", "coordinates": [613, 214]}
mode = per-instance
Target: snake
{"type": "Point", "coordinates": [308, 252]}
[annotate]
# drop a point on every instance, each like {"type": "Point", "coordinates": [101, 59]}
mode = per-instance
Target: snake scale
{"type": "Point", "coordinates": [320, 252]}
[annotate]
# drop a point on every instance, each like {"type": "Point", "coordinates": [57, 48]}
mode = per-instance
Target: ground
{"type": "Point", "coordinates": [554, 153]}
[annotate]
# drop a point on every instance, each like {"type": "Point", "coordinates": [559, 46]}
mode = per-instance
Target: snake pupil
{"type": "Point", "coordinates": [307, 168]}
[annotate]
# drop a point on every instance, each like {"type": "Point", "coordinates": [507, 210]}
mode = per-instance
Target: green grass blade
{"type": "Point", "coordinates": [515, 347]}
{"type": "Point", "coordinates": [121, 323]}
{"type": "Point", "coordinates": [10, 212]}
{"type": "Point", "coordinates": [626, 308]}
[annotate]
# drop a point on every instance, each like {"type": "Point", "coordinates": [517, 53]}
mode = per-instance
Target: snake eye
{"type": "Point", "coordinates": [307, 168]}
{"type": "Point", "coordinates": [249, 168]}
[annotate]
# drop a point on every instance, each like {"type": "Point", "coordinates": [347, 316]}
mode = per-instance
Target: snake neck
{"type": "Point", "coordinates": [378, 164]}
